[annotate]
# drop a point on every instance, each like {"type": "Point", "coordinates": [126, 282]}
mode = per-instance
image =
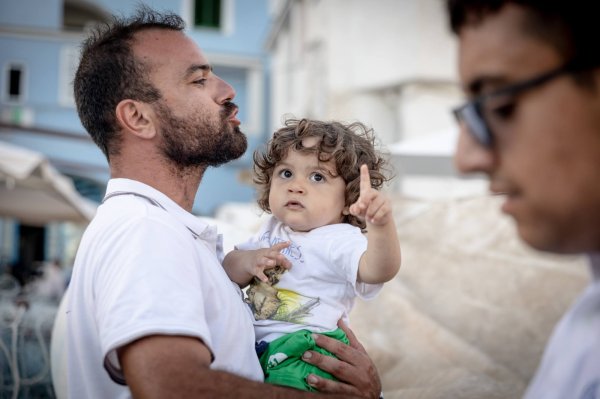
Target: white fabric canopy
{"type": "Point", "coordinates": [35, 193]}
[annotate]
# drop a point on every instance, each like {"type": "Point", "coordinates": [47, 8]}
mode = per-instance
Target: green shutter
{"type": "Point", "coordinates": [207, 13]}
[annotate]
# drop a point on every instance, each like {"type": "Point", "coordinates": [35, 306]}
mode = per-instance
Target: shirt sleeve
{"type": "Point", "coordinates": [346, 253]}
{"type": "Point", "coordinates": [148, 284]}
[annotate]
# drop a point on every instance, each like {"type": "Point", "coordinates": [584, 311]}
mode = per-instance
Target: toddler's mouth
{"type": "Point", "coordinates": [293, 204]}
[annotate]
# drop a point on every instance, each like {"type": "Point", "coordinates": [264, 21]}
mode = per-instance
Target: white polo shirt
{"type": "Point", "coordinates": [570, 367]}
{"type": "Point", "coordinates": [146, 266]}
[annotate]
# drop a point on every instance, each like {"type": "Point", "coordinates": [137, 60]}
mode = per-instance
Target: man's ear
{"type": "Point", "coordinates": [136, 117]}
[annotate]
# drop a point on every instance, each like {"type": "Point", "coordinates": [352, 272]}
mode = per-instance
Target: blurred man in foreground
{"type": "Point", "coordinates": [531, 71]}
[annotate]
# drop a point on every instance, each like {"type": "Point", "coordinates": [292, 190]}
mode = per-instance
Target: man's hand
{"type": "Point", "coordinates": [353, 368]}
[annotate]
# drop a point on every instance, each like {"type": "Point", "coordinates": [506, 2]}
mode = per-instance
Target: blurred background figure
{"type": "Point", "coordinates": [51, 284]}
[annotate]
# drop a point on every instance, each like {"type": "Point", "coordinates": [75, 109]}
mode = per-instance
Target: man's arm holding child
{"type": "Point", "coordinates": [381, 260]}
{"type": "Point", "coordinates": [179, 367]}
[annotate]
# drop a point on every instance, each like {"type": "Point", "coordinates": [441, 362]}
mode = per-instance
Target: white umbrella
{"type": "Point", "coordinates": [35, 193]}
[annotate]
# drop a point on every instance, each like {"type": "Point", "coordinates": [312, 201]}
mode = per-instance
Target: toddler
{"type": "Point", "coordinates": [331, 237]}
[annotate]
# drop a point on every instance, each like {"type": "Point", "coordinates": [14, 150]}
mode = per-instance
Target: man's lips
{"type": "Point", "coordinates": [510, 194]}
{"type": "Point", "coordinates": [512, 201]}
{"type": "Point", "coordinates": [233, 117]}
{"type": "Point", "coordinates": [511, 204]}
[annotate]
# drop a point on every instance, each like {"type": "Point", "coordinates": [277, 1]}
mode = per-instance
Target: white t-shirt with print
{"type": "Point", "coordinates": [321, 286]}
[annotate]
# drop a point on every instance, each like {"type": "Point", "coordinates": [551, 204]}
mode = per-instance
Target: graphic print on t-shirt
{"type": "Point", "coordinates": [269, 302]}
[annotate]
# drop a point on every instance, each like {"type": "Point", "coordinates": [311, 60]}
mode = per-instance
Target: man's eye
{"type": "Point", "coordinates": [317, 177]}
{"type": "Point", "coordinates": [501, 108]}
{"type": "Point", "coordinates": [200, 82]}
{"type": "Point", "coordinates": [285, 173]}
{"type": "Point", "coordinates": [505, 111]}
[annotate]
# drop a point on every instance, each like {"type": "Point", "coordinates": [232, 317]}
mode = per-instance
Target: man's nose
{"type": "Point", "coordinates": [470, 156]}
{"type": "Point", "coordinates": [225, 91]}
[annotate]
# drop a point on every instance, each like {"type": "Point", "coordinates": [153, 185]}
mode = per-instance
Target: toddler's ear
{"type": "Point", "coordinates": [346, 211]}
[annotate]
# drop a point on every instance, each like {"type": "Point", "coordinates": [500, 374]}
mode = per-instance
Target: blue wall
{"type": "Point", "coordinates": [45, 14]}
{"type": "Point", "coordinates": [39, 48]}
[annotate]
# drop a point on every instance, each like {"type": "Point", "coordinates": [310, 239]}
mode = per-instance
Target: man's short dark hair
{"type": "Point", "coordinates": [570, 27]}
{"type": "Point", "coordinates": [108, 73]}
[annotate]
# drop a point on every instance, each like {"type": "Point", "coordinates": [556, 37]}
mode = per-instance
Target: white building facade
{"type": "Point", "coordinates": [390, 64]}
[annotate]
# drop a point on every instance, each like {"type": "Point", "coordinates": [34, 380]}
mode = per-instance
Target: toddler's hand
{"type": "Point", "coordinates": [371, 205]}
{"type": "Point", "coordinates": [267, 258]}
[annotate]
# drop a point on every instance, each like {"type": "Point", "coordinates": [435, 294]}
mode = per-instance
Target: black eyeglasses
{"type": "Point", "coordinates": [473, 113]}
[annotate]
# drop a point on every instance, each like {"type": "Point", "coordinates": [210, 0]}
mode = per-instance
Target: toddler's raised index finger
{"type": "Point", "coordinates": [365, 179]}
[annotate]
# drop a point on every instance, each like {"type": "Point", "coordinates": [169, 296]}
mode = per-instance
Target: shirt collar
{"type": "Point", "coordinates": [198, 228]}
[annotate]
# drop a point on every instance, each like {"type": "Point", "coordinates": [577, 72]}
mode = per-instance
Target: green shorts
{"type": "Point", "coordinates": [282, 360]}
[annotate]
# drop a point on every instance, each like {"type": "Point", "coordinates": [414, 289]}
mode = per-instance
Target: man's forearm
{"type": "Point", "coordinates": [219, 384]}
{"type": "Point", "coordinates": [158, 367]}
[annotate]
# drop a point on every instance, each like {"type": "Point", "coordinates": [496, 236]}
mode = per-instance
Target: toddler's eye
{"type": "Point", "coordinates": [317, 177]}
{"type": "Point", "coordinates": [285, 173]}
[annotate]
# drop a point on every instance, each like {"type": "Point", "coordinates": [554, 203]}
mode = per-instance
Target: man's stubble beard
{"type": "Point", "coordinates": [198, 141]}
